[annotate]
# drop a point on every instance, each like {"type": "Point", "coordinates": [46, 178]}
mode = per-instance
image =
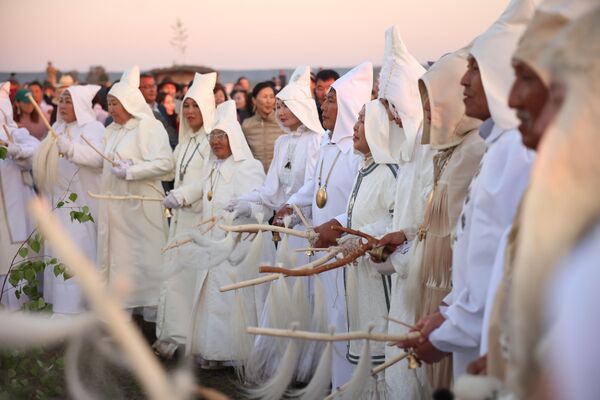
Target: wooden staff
{"type": "Point", "coordinates": [157, 190]}
{"type": "Point", "coordinates": [255, 228]}
{"type": "Point", "coordinates": [397, 321]}
{"type": "Point", "coordinates": [113, 163]}
{"type": "Point", "coordinates": [272, 277]}
{"type": "Point", "coordinates": [374, 371]}
{"type": "Point", "coordinates": [127, 197]}
{"type": "Point", "coordinates": [9, 135]}
{"type": "Point", "coordinates": [301, 216]}
{"type": "Point", "coordinates": [327, 337]}
{"type": "Point", "coordinates": [118, 322]}
{"type": "Point", "coordinates": [42, 116]}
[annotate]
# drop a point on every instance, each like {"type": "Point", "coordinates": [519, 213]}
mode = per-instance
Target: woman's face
{"type": "Point", "coordinates": [359, 138]}
{"type": "Point", "coordinates": [169, 104]}
{"type": "Point", "coordinates": [219, 143]}
{"type": "Point", "coordinates": [65, 107]}
{"type": "Point", "coordinates": [116, 110]}
{"type": "Point", "coordinates": [192, 114]}
{"type": "Point", "coordinates": [26, 108]}
{"type": "Point", "coordinates": [240, 100]}
{"type": "Point", "coordinates": [220, 98]}
{"type": "Point", "coordinates": [287, 117]}
{"type": "Point", "coordinates": [265, 101]}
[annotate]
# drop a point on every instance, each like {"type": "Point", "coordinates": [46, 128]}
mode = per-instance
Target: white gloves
{"type": "Point", "coordinates": [171, 201]}
{"type": "Point", "coordinates": [241, 207]}
{"type": "Point", "coordinates": [65, 146]}
{"type": "Point", "coordinates": [120, 170]}
{"type": "Point", "coordinates": [14, 150]}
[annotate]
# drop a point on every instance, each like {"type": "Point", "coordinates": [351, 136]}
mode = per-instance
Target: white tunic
{"type": "Point", "coordinates": [414, 184]}
{"type": "Point", "coordinates": [132, 232]}
{"type": "Point", "coordinates": [370, 209]}
{"type": "Point", "coordinates": [213, 336]}
{"type": "Point", "coordinates": [339, 187]}
{"type": "Point", "coordinates": [16, 190]}
{"type": "Point", "coordinates": [78, 174]}
{"type": "Point", "coordinates": [489, 209]}
{"type": "Point", "coordinates": [177, 292]}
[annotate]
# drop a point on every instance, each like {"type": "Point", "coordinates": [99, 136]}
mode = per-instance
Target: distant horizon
{"type": "Point", "coordinates": [231, 35]}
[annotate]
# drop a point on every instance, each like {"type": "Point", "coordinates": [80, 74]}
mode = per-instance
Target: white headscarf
{"type": "Point", "coordinates": [297, 97]}
{"type": "Point", "coordinates": [377, 133]}
{"type": "Point", "coordinates": [82, 97]}
{"type": "Point", "coordinates": [398, 84]}
{"type": "Point", "coordinates": [353, 90]}
{"type": "Point", "coordinates": [449, 123]}
{"type": "Point", "coordinates": [6, 110]}
{"type": "Point", "coordinates": [226, 121]}
{"type": "Point", "coordinates": [128, 93]}
{"type": "Point", "coordinates": [493, 51]}
{"type": "Point", "coordinates": [201, 92]}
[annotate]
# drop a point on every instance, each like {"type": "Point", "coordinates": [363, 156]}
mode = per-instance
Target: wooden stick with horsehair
{"type": "Point", "coordinates": [301, 216]}
{"type": "Point", "coordinates": [127, 197]}
{"type": "Point", "coordinates": [255, 228]}
{"type": "Point", "coordinates": [118, 323]}
{"type": "Point", "coordinates": [397, 321]}
{"type": "Point", "coordinates": [42, 116]}
{"type": "Point", "coordinates": [114, 164]}
{"type": "Point", "coordinates": [328, 337]}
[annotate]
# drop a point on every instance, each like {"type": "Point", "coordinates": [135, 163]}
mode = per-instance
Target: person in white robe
{"type": "Point", "coordinates": [78, 171]}
{"type": "Point", "coordinates": [185, 201]}
{"type": "Point", "coordinates": [492, 199]}
{"type": "Point", "coordinates": [231, 172]}
{"type": "Point", "coordinates": [328, 190]}
{"type": "Point", "coordinates": [131, 232]}
{"type": "Point", "coordinates": [16, 190]}
{"type": "Point", "coordinates": [560, 210]}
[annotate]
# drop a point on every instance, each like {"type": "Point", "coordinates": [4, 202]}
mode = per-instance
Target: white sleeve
{"type": "Point", "coordinates": [83, 154]}
{"type": "Point", "coordinates": [157, 157]}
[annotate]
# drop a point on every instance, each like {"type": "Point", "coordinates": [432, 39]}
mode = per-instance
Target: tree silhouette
{"type": "Point", "coordinates": [179, 39]}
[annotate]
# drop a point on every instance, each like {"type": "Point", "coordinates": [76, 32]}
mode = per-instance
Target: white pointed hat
{"type": "Point", "coordinates": [493, 51]}
{"type": "Point", "coordinates": [377, 133]}
{"type": "Point", "coordinates": [201, 92]}
{"type": "Point", "coordinates": [82, 97]}
{"type": "Point", "coordinates": [353, 90]}
{"type": "Point", "coordinates": [128, 93]}
{"type": "Point", "coordinates": [298, 98]}
{"type": "Point", "coordinates": [398, 84]}
{"type": "Point", "coordinates": [226, 121]}
{"type": "Point", "coordinates": [6, 111]}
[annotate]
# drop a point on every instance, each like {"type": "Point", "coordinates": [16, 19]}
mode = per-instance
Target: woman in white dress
{"type": "Point", "coordinates": [131, 232]}
{"type": "Point", "coordinates": [78, 171]}
{"type": "Point", "coordinates": [191, 155]}
{"type": "Point", "coordinates": [232, 171]}
{"type": "Point", "coordinates": [16, 190]}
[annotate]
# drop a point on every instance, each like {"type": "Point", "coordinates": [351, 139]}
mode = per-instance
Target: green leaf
{"type": "Point", "coordinates": [60, 204]}
{"type": "Point", "coordinates": [3, 153]}
{"type": "Point", "coordinates": [29, 274]}
{"type": "Point", "coordinates": [73, 196]}
{"type": "Point", "coordinates": [34, 245]}
{"type": "Point", "coordinates": [14, 278]}
{"type": "Point", "coordinates": [23, 252]}
{"type": "Point", "coordinates": [85, 209]}
{"type": "Point", "coordinates": [53, 261]}
{"type": "Point", "coordinates": [57, 270]}
{"type": "Point", "coordinates": [41, 303]}
{"type": "Point", "coordinates": [67, 275]}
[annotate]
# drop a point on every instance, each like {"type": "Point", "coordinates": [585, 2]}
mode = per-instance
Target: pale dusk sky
{"type": "Point", "coordinates": [231, 34]}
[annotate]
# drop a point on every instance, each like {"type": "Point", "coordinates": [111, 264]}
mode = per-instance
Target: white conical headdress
{"type": "Point", "coordinates": [353, 90]}
{"type": "Point", "coordinates": [226, 121]}
{"type": "Point", "coordinates": [6, 111]}
{"type": "Point", "coordinates": [493, 51]}
{"type": "Point", "coordinates": [201, 92]}
{"type": "Point", "coordinates": [377, 133]}
{"type": "Point", "coordinates": [128, 93]}
{"type": "Point", "coordinates": [297, 97]}
{"type": "Point", "coordinates": [398, 84]}
{"type": "Point", "coordinates": [82, 97]}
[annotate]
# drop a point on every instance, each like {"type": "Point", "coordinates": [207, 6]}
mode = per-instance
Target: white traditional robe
{"type": "Point", "coordinates": [177, 293]}
{"type": "Point", "coordinates": [413, 186]}
{"type": "Point", "coordinates": [16, 190]}
{"type": "Point", "coordinates": [370, 209]}
{"type": "Point", "coordinates": [489, 209]}
{"type": "Point", "coordinates": [132, 232]}
{"type": "Point", "coordinates": [338, 191]}
{"type": "Point", "coordinates": [78, 174]}
{"type": "Point", "coordinates": [213, 334]}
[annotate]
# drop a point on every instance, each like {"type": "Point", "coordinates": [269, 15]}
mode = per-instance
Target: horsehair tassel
{"type": "Point", "coordinates": [325, 337]}
{"type": "Point", "coordinates": [150, 373]}
{"type": "Point", "coordinates": [42, 116]}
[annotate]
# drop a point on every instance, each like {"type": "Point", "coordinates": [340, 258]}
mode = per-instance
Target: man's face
{"type": "Point", "coordinates": [329, 107]}
{"type": "Point", "coordinates": [169, 88]}
{"type": "Point", "coordinates": [528, 96]}
{"type": "Point", "coordinates": [322, 88]}
{"type": "Point", "coordinates": [37, 93]}
{"type": "Point", "coordinates": [476, 105]}
{"type": "Point", "coordinates": [245, 84]}
{"type": "Point", "coordinates": [148, 89]}
{"type": "Point", "coordinates": [553, 105]}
